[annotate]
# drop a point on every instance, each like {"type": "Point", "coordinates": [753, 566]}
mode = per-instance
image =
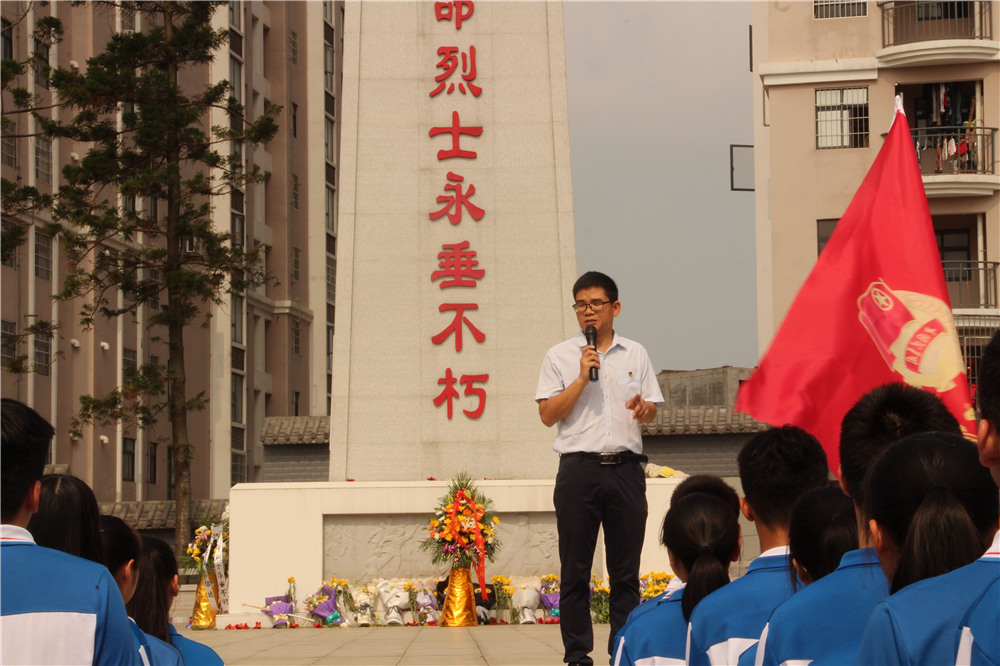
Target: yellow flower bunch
{"type": "Point", "coordinates": [501, 580]}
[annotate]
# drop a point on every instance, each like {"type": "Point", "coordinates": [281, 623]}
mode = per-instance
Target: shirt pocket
{"type": "Point", "coordinates": [628, 384]}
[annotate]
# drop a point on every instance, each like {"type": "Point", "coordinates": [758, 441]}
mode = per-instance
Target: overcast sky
{"type": "Point", "coordinates": [657, 93]}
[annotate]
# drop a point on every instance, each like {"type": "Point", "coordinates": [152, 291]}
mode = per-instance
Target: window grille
{"type": "Point", "coordinates": [43, 159]}
{"type": "Point", "coordinates": [128, 459]}
{"type": "Point", "coordinates": [831, 9]}
{"type": "Point", "coordinates": [841, 118]}
{"type": "Point", "coordinates": [43, 256]}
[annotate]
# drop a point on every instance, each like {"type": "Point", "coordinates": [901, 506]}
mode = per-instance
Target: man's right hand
{"type": "Point", "coordinates": [588, 359]}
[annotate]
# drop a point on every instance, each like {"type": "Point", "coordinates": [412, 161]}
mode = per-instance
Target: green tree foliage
{"type": "Point", "coordinates": [147, 139]}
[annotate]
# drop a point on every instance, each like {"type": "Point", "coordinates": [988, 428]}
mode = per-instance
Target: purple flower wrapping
{"type": "Point", "coordinates": [550, 600]}
{"type": "Point", "coordinates": [326, 609]}
{"type": "Point", "coordinates": [270, 600]}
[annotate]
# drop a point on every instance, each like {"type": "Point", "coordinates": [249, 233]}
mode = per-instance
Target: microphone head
{"type": "Point", "coordinates": [591, 334]}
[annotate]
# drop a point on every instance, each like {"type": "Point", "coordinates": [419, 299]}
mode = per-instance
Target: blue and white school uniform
{"type": "Point", "coordinates": [840, 603]}
{"type": "Point", "coordinates": [193, 652]}
{"type": "Point", "coordinates": [56, 608]}
{"type": "Point", "coordinates": [919, 624]}
{"type": "Point", "coordinates": [979, 637]}
{"type": "Point", "coordinates": [658, 635]}
{"type": "Point", "coordinates": [728, 622]}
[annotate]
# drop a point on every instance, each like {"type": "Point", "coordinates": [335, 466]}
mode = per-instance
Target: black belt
{"type": "Point", "coordinates": [616, 458]}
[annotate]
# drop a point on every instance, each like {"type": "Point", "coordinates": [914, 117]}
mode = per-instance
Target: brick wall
{"type": "Point", "coordinates": [295, 462]}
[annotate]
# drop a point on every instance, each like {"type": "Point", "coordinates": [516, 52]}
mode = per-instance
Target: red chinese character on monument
{"type": "Point", "coordinates": [449, 393]}
{"type": "Point", "coordinates": [458, 263]}
{"type": "Point", "coordinates": [457, 201]}
{"type": "Point", "coordinates": [456, 130]}
{"type": "Point", "coordinates": [459, 10]}
{"type": "Point", "coordinates": [469, 380]}
{"type": "Point", "coordinates": [449, 63]}
{"type": "Point", "coordinates": [456, 324]}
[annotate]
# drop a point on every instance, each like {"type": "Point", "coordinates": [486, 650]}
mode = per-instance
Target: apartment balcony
{"type": "Point", "coordinates": [972, 285]}
{"type": "Point", "coordinates": [957, 161]}
{"type": "Point", "coordinates": [937, 33]}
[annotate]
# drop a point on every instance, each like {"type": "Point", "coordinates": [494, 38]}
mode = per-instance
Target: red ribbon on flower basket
{"type": "Point", "coordinates": [479, 549]}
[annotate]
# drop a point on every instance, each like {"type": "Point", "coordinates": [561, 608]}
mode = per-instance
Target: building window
{"type": "Point", "coordinates": [128, 20]}
{"type": "Point", "coordinates": [41, 64]}
{"type": "Point", "coordinates": [295, 191]}
{"type": "Point", "coordinates": [236, 316]}
{"type": "Point", "coordinates": [327, 12]}
{"type": "Point", "coordinates": [331, 211]}
{"type": "Point", "coordinates": [331, 278]}
{"type": "Point", "coordinates": [8, 342]}
{"type": "Point", "coordinates": [824, 9]}
{"type": "Point", "coordinates": [130, 365]}
{"type": "Point", "coordinates": [236, 399]}
{"type": "Point", "coordinates": [43, 256]}
{"type": "Point", "coordinates": [235, 15]}
{"type": "Point", "coordinates": [10, 260]}
{"type": "Point", "coordinates": [236, 78]}
{"type": "Point", "coordinates": [152, 204]}
{"type": "Point", "coordinates": [293, 47]}
{"type": "Point", "coordinates": [296, 263]}
{"type": "Point", "coordinates": [8, 39]}
{"type": "Point", "coordinates": [43, 353]}
{"type": "Point", "coordinates": [824, 229]}
{"type": "Point", "coordinates": [154, 296]}
{"type": "Point", "coordinates": [151, 452]}
{"type": "Point", "coordinates": [296, 336]}
{"type": "Point", "coordinates": [328, 61]}
{"type": "Point", "coordinates": [43, 159]}
{"type": "Point", "coordinates": [329, 348]}
{"type": "Point", "coordinates": [842, 118]}
{"type": "Point", "coordinates": [295, 119]}
{"type": "Point", "coordinates": [331, 137]}
{"type": "Point", "coordinates": [128, 459]}
{"type": "Point", "coordinates": [170, 472]}
{"type": "Point", "coordinates": [295, 403]}
{"type": "Point", "coordinates": [237, 227]}
{"type": "Point", "coordinates": [237, 467]}
{"type": "Point", "coordinates": [956, 248]}
{"type": "Point", "coordinates": [8, 152]}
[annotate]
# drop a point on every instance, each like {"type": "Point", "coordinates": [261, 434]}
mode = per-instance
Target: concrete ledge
{"type": "Point", "coordinates": [281, 529]}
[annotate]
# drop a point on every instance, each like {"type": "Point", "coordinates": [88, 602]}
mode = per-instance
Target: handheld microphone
{"type": "Point", "coordinates": [591, 334]}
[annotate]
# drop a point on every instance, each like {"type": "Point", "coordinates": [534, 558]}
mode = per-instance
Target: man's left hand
{"type": "Point", "coordinates": [642, 411]}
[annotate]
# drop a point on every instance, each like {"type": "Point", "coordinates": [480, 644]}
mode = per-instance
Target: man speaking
{"type": "Point", "coordinates": [597, 391]}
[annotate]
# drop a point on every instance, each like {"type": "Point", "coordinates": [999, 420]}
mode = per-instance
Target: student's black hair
{"type": "Point", "coordinates": [592, 279]}
{"type": "Point", "coordinates": [823, 527]}
{"type": "Point", "coordinates": [707, 483]}
{"type": "Point", "coordinates": [776, 466]}
{"type": "Point", "coordinates": [68, 518]}
{"type": "Point", "coordinates": [24, 446]}
{"type": "Point", "coordinates": [150, 605]}
{"type": "Point", "coordinates": [988, 386]}
{"type": "Point", "coordinates": [701, 531]}
{"type": "Point", "coordinates": [881, 417]}
{"type": "Point", "coordinates": [940, 507]}
{"type": "Point", "coordinates": [121, 543]}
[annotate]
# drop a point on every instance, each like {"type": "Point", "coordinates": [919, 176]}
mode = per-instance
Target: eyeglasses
{"type": "Point", "coordinates": [595, 306]}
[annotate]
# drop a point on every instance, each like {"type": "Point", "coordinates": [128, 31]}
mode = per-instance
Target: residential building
{"type": "Point", "coordinates": [826, 74]}
{"type": "Point", "coordinates": [265, 352]}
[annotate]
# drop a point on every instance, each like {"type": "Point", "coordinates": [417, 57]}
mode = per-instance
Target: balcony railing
{"type": "Point", "coordinates": [972, 284]}
{"type": "Point", "coordinates": [910, 22]}
{"type": "Point", "coordinates": [955, 150]}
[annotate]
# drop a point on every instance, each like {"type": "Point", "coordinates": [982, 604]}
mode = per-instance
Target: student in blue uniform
{"type": "Point", "coordinates": [822, 529]}
{"type": "Point", "coordinates": [150, 606]}
{"type": "Point", "coordinates": [702, 536]}
{"type": "Point", "coordinates": [979, 636]}
{"type": "Point", "coordinates": [934, 509]}
{"type": "Point", "coordinates": [776, 467]}
{"type": "Point", "coordinates": [55, 608]}
{"type": "Point", "coordinates": [698, 483]}
{"type": "Point", "coordinates": [122, 550]}
{"type": "Point", "coordinates": [845, 599]}
{"type": "Point", "coordinates": [67, 518]}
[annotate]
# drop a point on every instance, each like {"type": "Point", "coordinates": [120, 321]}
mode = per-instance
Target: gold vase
{"type": "Point", "coordinates": [203, 616]}
{"type": "Point", "coordinates": [459, 604]}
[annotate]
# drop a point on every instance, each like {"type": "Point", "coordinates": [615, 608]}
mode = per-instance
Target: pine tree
{"type": "Point", "coordinates": [146, 138]}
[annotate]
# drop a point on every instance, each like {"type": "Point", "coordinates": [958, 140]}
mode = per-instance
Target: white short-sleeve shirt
{"type": "Point", "coordinates": [599, 421]}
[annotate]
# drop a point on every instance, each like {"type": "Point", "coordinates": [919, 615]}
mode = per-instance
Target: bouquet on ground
{"type": "Point", "coordinates": [548, 589]}
{"type": "Point", "coordinates": [653, 584]}
{"type": "Point", "coordinates": [423, 604]}
{"type": "Point", "coordinates": [526, 601]}
{"type": "Point", "coordinates": [600, 600]}
{"type": "Point", "coordinates": [504, 607]}
{"type": "Point", "coordinates": [396, 599]}
{"type": "Point", "coordinates": [282, 606]}
{"type": "Point", "coordinates": [323, 604]}
{"type": "Point", "coordinates": [462, 531]}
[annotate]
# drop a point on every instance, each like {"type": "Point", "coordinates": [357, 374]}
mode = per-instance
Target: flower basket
{"type": "Point", "coordinates": [206, 604]}
{"type": "Point", "coordinates": [459, 604]}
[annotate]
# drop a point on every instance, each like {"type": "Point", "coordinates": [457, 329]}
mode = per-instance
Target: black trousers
{"type": "Point", "coordinates": [587, 495]}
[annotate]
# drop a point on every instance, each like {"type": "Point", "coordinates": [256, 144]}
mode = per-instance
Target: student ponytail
{"type": "Point", "coordinates": [701, 531]}
{"type": "Point", "coordinates": [935, 502]}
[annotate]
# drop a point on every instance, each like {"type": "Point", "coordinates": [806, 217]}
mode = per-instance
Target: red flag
{"type": "Point", "coordinates": [874, 310]}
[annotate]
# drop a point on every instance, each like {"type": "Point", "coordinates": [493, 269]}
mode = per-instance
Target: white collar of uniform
{"type": "Point", "coordinates": [14, 533]}
{"type": "Point", "coordinates": [615, 340]}
{"type": "Point", "coordinates": [779, 550]}
{"type": "Point", "coordinates": [994, 549]}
